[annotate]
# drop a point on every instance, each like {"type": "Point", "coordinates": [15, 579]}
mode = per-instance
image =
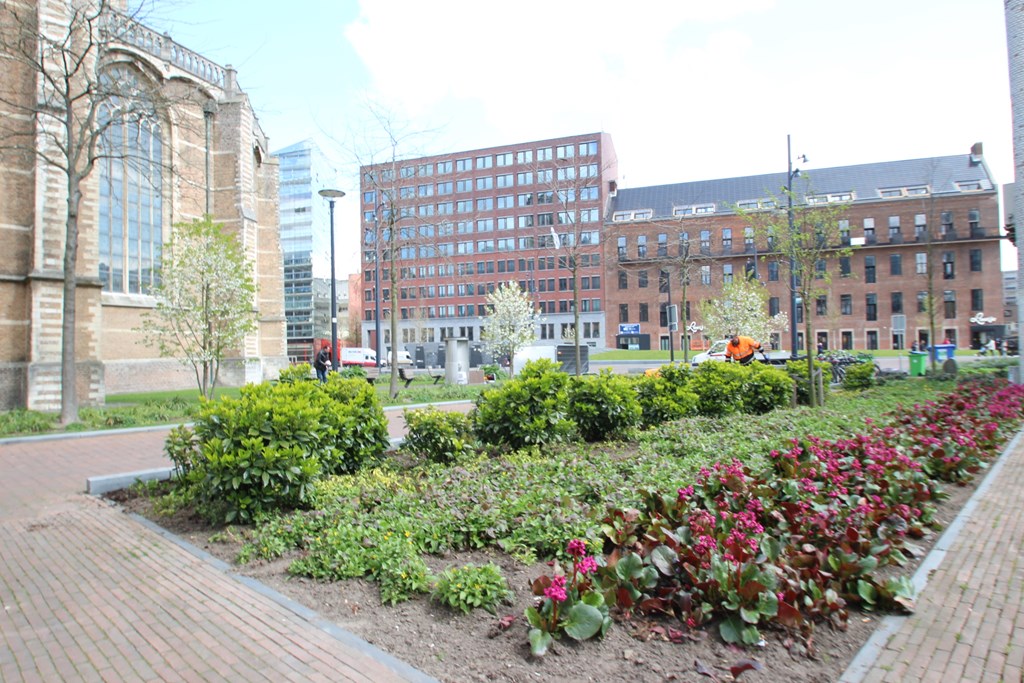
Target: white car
{"type": "Point", "coordinates": [716, 352]}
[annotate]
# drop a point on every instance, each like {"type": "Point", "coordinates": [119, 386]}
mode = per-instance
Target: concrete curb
{"type": "Point", "coordinates": [869, 653]}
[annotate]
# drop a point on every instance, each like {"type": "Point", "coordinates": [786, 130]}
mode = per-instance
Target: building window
{"type": "Point", "coordinates": [974, 220]}
{"type": "Point", "coordinates": [869, 231]}
{"type": "Point", "coordinates": [748, 239]}
{"type": "Point", "coordinates": [662, 245]}
{"type": "Point", "coordinates": [922, 302]}
{"type": "Point", "coordinates": [773, 271]}
{"type": "Point", "coordinates": [727, 274]}
{"type": "Point", "coordinates": [623, 280]}
{"type": "Point", "coordinates": [131, 200]}
{"type": "Point", "coordinates": [921, 263]}
{"type": "Point", "coordinates": [894, 229]}
{"type": "Point", "coordinates": [705, 275]}
{"type": "Point", "coordinates": [644, 313]}
{"type": "Point", "coordinates": [485, 161]}
{"type": "Point", "coordinates": [920, 225]}
{"type": "Point", "coordinates": [503, 159]}
{"type": "Point", "coordinates": [623, 313]}
{"type": "Point", "coordinates": [897, 302]}
{"type": "Point", "coordinates": [844, 232]}
{"type": "Point", "coordinates": [977, 299]}
{"type": "Point", "coordinates": [844, 266]}
{"type": "Point", "coordinates": [949, 304]}
{"type": "Point", "coordinates": [872, 337]}
{"type": "Point", "coordinates": [641, 246]}
{"type": "Point", "coordinates": [947, 226]}
{"type": "Point", "coordinates": [773, 306]}
{"type": "Point", "coordinates": [948, 265]}
{"type": "Point", "coordinates": [726, 239]}
{"type": "Point", "coordinates": [705, 241]}
{"type": "Point", "coordinates": [821, 305]}
{"type": "Point", "coordinates": [663, 281]}
{"type": "Point", "coordinates": [895, 264]}
{"type": "Point", "coordinates": [869, 269]}
{"type": "Point", "coordinates": [871, 307]}
{"type": "Point", "coordinates": [846, 304]}
{"type": "Point", "coordinates": [975, 255]}
{"type": "Point", "coordinates": [641, 279]}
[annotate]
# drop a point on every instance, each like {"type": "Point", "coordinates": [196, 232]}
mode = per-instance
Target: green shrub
{"type": "Point", "coordinates": [603, 406]}
{"type": "Point", "coordinates": [766, 389]}
{"type": "Point", "coordinates": [661, 401]}
{"type": "Point", "coordinates": [356, 422]}
{"type": "Point", "coordinates": [262, 451]}
{"type": "Point", "coordinates": [797, 370]}
{"type": "Point", "coordinates": [296, 373]}
{"type": "Point", "coordinates": [438, 435]}
{"type": "Point", "coordinates": [859, 376]}
{"type": "Point", "coordinates": [719, 388]}
{"type": "Point", "coordinates": [467, 587]}
{"type": "Point", "coordinates": [527, 410]}
{"type": "Point", "coordinates": [182, 449]}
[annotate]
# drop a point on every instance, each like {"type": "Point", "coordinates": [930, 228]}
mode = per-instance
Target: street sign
{"type": "Point", "coordinates": [629, 328]}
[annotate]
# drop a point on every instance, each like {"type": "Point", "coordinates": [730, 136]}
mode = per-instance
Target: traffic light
{"type": "Point", "coordinates": [1011, 233]}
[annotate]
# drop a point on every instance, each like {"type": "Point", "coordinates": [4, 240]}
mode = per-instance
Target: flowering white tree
{"type": "Point", "coordinates": [205, 300]}
{"type": "Point", "coordinates": [512, 321]}
{"type": "Point", "coordinates": [743, 309]}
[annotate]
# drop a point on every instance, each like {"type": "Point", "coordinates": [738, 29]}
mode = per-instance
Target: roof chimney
{"type": "Point", "coordinates": [976, 154]}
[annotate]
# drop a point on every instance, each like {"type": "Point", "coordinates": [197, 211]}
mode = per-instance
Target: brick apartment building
{"type": "Point", "coordinates": [466, 222]}
{"type": "Point", "coordinates": [905, 216]}
{"type": "Point", "coordinates": [201, 151]}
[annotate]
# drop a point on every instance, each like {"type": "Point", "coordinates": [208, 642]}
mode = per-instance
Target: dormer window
{"type": "Point", "coordinates": [891, 192]}
{"type": "Point", "coordinates": [968, 186]}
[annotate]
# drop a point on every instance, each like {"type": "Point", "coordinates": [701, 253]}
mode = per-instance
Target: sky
{"type": "Point", "coordinates": [688, 89]}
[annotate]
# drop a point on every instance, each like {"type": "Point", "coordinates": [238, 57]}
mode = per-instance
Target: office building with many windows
{"type": "Point", "coordinates": [912, 228]}
{"type": "Point", "coordinates": [456, 226]}
{"type": "Point", "coordinates": [306, 249]}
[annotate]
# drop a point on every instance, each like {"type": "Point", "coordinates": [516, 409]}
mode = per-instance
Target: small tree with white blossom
{"type": "Point", "coordinates": [743, 309]}
{"type": "Point", "coordinates": [205, 300]}
{"type": "Point", "coordinates": [511, 322]}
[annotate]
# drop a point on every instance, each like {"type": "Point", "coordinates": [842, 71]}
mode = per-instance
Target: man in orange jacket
{"type": "Point", "coordinates": [742, 349]}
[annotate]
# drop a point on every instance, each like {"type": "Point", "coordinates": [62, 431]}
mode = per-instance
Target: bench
{"type": "Point", "coordinates": [437, 374]}
{"type": "Point", "coordinates": [406, 375]}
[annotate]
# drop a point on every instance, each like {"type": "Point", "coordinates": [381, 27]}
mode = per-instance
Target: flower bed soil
{"type": "Point", "coordinates": [453, 647]}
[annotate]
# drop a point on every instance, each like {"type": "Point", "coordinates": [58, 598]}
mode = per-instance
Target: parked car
{"type": "Point", "coordinates": [403, 357]}
{"type": "Point", "coordinates": [357, 355]}
{"type": "Point", "coordinates": [716, 352]}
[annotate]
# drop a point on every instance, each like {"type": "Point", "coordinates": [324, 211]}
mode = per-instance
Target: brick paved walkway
{"type": "Point", "coordinates": [90, 594]}
{"type": "Point", "coordinates": [969, 619]}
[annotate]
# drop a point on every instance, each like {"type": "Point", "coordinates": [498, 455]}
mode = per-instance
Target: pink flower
{"type": "Point", "coordinates": [577, 548]}
{"type": "Point", "coordinates": [587, 565]}
{"type": "Point", "coordinates": [556, 591]}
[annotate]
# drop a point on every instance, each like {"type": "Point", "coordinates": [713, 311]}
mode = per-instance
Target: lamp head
{"type": "Point", "coordinates": [331, 194]}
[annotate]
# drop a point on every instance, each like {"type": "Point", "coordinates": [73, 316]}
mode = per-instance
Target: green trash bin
{"type": "Point", "coordinates": [918, 363]}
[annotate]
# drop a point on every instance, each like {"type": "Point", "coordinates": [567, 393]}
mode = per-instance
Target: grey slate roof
{"type": "Point", "coordinates": [941, 174]}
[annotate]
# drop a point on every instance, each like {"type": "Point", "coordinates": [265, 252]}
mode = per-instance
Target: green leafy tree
{"type": "Point", "coordinates": [511, 322]}
{"type": "Point", "coordinates": [804, 237]}
{"type": "Point", "coordinates": [205, 300]}
{"type": "Point", "coordinates": [743, 309]}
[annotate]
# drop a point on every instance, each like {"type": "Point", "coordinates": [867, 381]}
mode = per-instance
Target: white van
{"type": "Point", "coordinates": [403, 357]}
{"type": "Point", "coordinates": [358, 355]}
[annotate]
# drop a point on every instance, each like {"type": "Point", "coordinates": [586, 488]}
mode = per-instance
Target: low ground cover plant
{"type": "Point", "coordinates": [726, 523]}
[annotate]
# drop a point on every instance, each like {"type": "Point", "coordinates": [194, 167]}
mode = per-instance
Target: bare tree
{"type": "Point", "coordinates": [804, 237]}
{"type": "Point", "coordinates": [574, 224]}
{"type": "Point", "coordinates": [63, 90]}
{"type": "Point", "coordinates": [394, 224]}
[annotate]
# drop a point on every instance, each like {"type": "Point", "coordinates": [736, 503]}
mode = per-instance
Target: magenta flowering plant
{"type": "Point", "coordinates": [802, 540]}
{"type": "Point", "coordinates": [567, 602]}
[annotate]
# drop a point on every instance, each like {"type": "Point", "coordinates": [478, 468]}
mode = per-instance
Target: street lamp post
{"type": "Point", "coordinates": [331, 196]}
{"type": "Point", "coordinates": [376, 284]}
{"type": "Point", "coordinates": [790, 172]}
